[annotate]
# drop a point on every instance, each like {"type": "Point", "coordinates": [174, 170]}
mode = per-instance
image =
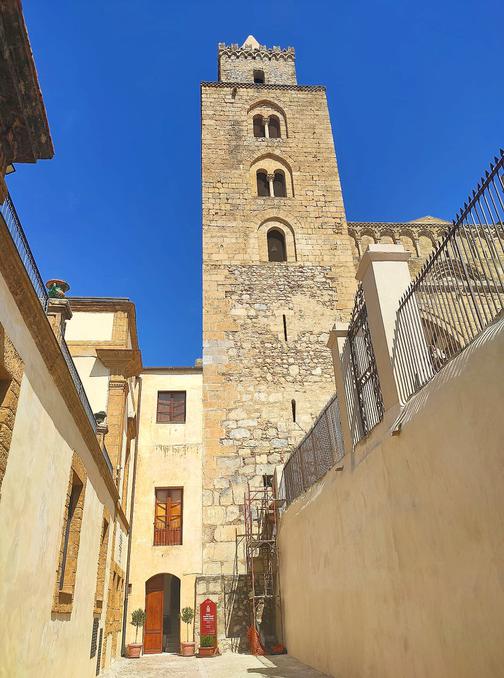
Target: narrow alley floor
{"type": "Point", "coordinates": [225, 666]}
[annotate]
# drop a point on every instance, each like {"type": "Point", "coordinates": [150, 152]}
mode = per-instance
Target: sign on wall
{"type": "Point", "coordinates": [208, 618]}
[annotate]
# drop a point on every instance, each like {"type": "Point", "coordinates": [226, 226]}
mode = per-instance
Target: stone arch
{"type": "Point", "coordinates": [408, 240]}
{"type": "Point", "coordinates": [443, 340]}
{"type": "Point", "coordinates": [425, 242]}
{"type": "Point", "coordinates": [265, 107]}
{"type": "Point", "coordinates": [354, 245]}
{"type": "Point", "coordinates": [387, 238]}
{"type": "Point", "coordinates": [276, 223]}
{"type": "Point", "coordinates": [270, 163]}
{"type": "Point", "coordinates": [367, 238]}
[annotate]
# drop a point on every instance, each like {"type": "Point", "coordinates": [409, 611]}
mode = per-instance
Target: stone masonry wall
{"type": "Point", "coordinates": [237, 64]}
{"type": "Point", "coordinates": [11, 374]}
{"type": "Point", "coordinates": [251, 371]}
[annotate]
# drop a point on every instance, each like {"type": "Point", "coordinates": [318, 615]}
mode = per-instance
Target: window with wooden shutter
{"type": "Point", "coordinates": [168, 517]}
{"type": "Point", "coordinates": [171, 407]}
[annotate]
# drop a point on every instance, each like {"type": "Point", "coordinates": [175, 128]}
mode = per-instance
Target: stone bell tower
{"type": "Point", "coordinates": [277, 273]}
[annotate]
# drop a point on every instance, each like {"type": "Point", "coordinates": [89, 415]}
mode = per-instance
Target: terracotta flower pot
{"type": "Point", "coordinates": [208, 652]}
{"type": "Point", "coordinates": [187, 649]}
{"type": "Point", "coordinates": [134, 650]}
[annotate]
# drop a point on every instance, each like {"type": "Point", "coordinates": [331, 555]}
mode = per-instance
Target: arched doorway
{"type": "Point", "coordinates": [162, 609]}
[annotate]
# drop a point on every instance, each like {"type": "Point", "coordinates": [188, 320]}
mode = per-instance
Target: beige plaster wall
{"type": "Point", "coordinates": [34, 641]}
{"type": "Point", "coordinates": [169, 455]}
{"type": "Point", "coordinates": [89, 326]}
{"type": "Point", "coordinates": [95, 378]}
{"type": "Point", "coordinates": [392, 566]}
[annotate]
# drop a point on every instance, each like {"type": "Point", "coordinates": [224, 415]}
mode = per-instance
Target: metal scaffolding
{"type": "Point", "coordinates": [261, 515]}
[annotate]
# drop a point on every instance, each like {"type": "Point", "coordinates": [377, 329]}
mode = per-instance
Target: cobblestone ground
{"type": "Point", "coordinates": [225, 666]}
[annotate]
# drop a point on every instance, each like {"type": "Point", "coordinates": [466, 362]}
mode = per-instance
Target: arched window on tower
{"type": "Point", "coordinates": [262, 184]}
{"type": "Point", "coordinates": [259, 129]}
{"type": "Point", "coordinates": [279, 190]}
{"type": "Point", "coordinates": [274, 127]}
{"type": "Point", "coordinates": [276, 246]}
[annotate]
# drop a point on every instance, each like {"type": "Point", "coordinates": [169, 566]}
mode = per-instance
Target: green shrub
{"type": "Point", "coordinates": [207, 641]}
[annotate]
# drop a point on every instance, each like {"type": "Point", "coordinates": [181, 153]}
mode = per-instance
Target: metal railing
{"type": "Point", "coordinates": [167, 536]}
{"type": "Point", "coordinates": [8, 212]}
{"type": "Point", "coordinates": [362, 384]}
{"type": "Point", "coordinates": [319, 450]}
{"type": "Point", "coordinates": [15, 229]}
{"type": "Point", "coordinates": [458, 292]}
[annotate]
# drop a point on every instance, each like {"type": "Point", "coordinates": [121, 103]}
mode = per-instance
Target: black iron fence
{"type": "Point", "coordinates": [15, 229]}
{"type": "Point", "coordinates": [362, 385]}
{"type": "Point", "coordinates": [319, 450]}
{"type": "Point", "coordinates": [458, 292]}
{"type": "Point", "coordinates": [10, 216]}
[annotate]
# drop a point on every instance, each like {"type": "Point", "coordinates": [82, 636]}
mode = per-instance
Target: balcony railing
{"type": "Point", "coordinates": [15, 230]}
{"type": "Point", "coordinates": [167, 536]}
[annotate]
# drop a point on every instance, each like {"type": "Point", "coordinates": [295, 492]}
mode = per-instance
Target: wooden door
{"type": "Point", "coordinates": [153, 629]}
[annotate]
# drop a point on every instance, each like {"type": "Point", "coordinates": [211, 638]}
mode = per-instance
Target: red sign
{"type": "Point", "coordinates": [208, 618]}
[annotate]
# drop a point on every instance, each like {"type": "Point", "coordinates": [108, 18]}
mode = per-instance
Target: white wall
{"type": "Point", "coordinates": [33, 641]}
{"type": "Point", "coordinates": [85, 326]}
{"type": "Point", "coordinates": [95, 377]}
{"type": "Point", "coordinates": [169, 455]}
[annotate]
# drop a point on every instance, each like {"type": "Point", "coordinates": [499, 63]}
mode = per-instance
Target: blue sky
{"type": "Point", "coordinates": [416, 98]}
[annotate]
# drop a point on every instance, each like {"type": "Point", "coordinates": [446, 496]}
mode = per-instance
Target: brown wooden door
{"type": "Point", "coordinates": [153, 629]}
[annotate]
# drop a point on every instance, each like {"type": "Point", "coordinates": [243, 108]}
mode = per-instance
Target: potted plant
{"type": "Point", "coordinates": [187, 648]}
{"type": "Point", "coordinates": [208, 646]}
{"type": "Point", "coordinates": [137, 620]}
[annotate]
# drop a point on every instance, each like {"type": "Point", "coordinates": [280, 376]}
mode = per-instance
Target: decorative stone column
{"type": "Point", "coordinates": [271, 178]}
{"type": "Point", "coordinates": [266, 126]}
{"type": "Point", "coordinates": [123, 364]}
{"type": "Point", "coordinates": [116, 410]}
{"type": "Point", "coordinates": [58, 312]}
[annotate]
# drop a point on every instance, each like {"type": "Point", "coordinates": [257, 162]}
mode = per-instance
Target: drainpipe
{"type": "Point", "coordinates": [133, 486]}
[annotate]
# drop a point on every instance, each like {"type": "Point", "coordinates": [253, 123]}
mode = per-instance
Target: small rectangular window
{"type": "Point", "coordinates": [259, 77]}
{"type": "Point", "coordinates": [70, 538]}
{"type": "Point", "coordinates": [171, 407]}
{"type": "Point", "coordinates": [71, 527]}
{"type": "Point", "coordinates": [168, 517]}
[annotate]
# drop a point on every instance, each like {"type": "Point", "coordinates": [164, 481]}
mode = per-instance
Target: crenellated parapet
{"type": "Point", "coordinates": [250, 51]}
{"type": "Point", "coordinates": [257, 64]}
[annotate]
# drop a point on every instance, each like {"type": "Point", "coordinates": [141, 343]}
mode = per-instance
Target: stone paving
{"type": "Point", "coordinates": [226, 666]}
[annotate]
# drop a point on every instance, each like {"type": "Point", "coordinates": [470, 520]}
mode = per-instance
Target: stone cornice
{"type": "Point", "coordinates": [172, 369]}
{"type": "Point", "coordinates": [16, 277]}
{"type": "Point", "coordinates": [253, 85]}
{"type": "Point", "coordinates": [124, 361]}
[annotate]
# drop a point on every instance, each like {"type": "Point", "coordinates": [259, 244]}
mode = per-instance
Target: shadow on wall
{"type": "Point", "coordinates": [236, 611]}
